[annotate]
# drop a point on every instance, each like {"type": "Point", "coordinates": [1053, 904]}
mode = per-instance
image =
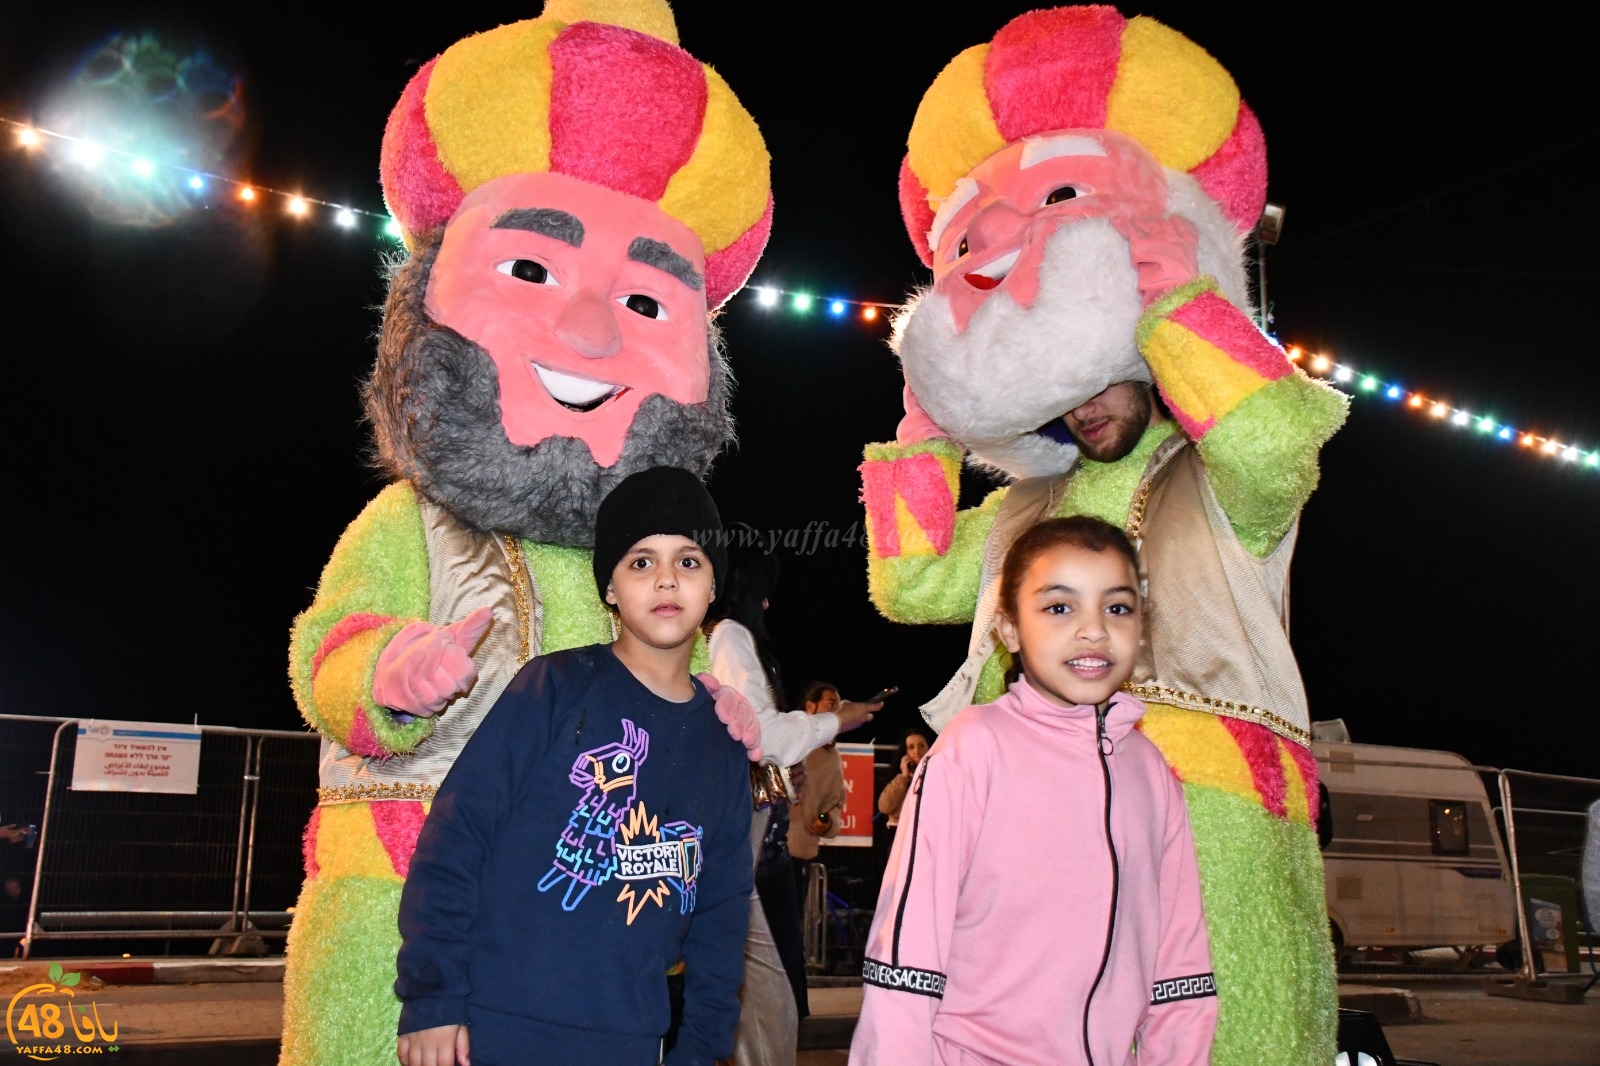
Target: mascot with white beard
{"type": "Point", "coordinates": [577, 193]}
{"type": "Point", "coordinates": [1080, 187]}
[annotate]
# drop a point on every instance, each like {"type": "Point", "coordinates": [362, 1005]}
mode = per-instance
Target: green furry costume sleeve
{"type": "Point", "coordinates": [375, 583]}
{"type": "Point", "coordinates": [924, 558]}
{"type": "Point", "coordinates": [1258, 421]}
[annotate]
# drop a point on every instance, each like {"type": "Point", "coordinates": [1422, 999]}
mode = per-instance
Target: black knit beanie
{"type": "Point", "coordinates": [662, 499]}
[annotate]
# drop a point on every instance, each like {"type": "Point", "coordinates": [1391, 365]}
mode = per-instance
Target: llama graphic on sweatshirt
{"type": "Point", "coordinates": [609, 834]}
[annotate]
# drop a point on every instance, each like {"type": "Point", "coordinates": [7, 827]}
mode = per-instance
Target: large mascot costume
{"type": "Point", "coordinates": [1080, 186]}
{"type": "Point", "coordinates": [576, 192]}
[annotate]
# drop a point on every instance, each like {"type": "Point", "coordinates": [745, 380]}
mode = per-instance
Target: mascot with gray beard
{"type": "Point", "coordinates": [1080, 186]}
{"type": "Point", "coordinates": [577, 193]}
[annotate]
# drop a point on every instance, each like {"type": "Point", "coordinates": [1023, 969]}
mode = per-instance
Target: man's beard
{"type": "Point", "coordinates": [434, 403]}
{"type": "Point", "coordinates": [1126, 432]}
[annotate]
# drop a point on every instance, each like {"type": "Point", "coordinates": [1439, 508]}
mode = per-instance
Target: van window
{"type": "Point", "coordinates": [1449, 821]}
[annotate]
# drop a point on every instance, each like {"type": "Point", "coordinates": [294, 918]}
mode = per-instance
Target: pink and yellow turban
{"type": "Point", "coordinates": [593, 89]}
{"type": "Point", "coordinates": [1085, 68]}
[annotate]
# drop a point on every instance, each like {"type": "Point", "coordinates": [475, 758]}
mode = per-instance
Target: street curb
{"type": "Point", "coordinates": [157, 971]}
{"type": "Point", "coordinates": [1392, 1006]}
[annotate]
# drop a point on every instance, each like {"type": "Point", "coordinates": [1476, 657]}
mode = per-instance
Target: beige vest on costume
{"type": "Point", "coordinates": [1215, 629]}
{"type": "Point", "coordinates": [467, 569]}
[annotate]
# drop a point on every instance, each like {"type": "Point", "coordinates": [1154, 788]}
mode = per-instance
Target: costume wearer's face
{"type": "Point", "coordinates": [1077, 625]}
{"type": "Point", "coordinates": [916, 747]}
{"type": "Point", "coordinates": [662, 589]}
{"type": "Point", "coordinates": [991, 231]}
{"type": "Point", "coordinates": [826, 703]}
{"type": "Point", "coordinates": [1110, 425]}
{"type": "Point", "coordinates": [588, 301]}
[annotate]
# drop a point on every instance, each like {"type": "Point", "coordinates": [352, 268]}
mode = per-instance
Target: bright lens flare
{"type": "Point", "coordinates": [392, 228]}
{"type": "Point", "coordinates": [1550, 447]}
{"type": "Point", "coordinates": [1321, 364]}
{"type": "Point", "coordinates": [247, 194]}
{"type": "Point", "coordinates": [345, 219]}
{"type": "Point", "coordinates": [767, 297]}
{"type": "Point", "coordinates": [869, 313]}
{"type": "Point", "coordinates": [143, 168]}
{"type": "Point", "coordinates": [802, 302]}
{"type": "Point", "coordinates": [196, 182]}
{"type": "Point", "coordinates": [1439, 410]}
{"type": "Point", "coordinates": [28, 137]}
{"type": "Point", "coordinates": [298, 207]}
{"type": "Point", "coordinates": [1416, 400]}
{"type": "Point", "coordinates": [1460, 418]}
{"type": "Point", "coordinates": [88, 154]}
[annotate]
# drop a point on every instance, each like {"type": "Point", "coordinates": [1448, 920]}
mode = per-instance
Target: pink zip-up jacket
{"type": "Point", "coordinates": [1008, 931]}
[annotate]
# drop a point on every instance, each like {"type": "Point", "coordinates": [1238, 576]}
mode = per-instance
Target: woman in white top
{"type": "Point", "coordinates": [769, 1019]}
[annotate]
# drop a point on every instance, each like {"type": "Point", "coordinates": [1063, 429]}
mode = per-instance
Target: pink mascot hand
{"type": "Point", "coordinates": [916, 426]}
{"type": "Point", "coordinates": [426, 666]}
{"type": "Point", "coordinates": [1165, 252]}
{"type": "Point", "coordinates": [737, 714]}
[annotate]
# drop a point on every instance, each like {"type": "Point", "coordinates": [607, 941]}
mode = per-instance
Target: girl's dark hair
{"type": "Point", "coordinates": [915, 731]}
{"type": "Point", "coordinates": [814, 691]}
{"type": "Point", "coordinates": [1079, 531]}
{"type": "Point", "coordinates": [752, 575]}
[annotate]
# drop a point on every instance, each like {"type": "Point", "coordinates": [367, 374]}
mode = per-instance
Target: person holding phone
{"type": "Point", "coordinates": [913, 746]}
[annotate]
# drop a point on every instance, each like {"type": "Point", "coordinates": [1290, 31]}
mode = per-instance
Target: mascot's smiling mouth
{"type": "Point", "coordinates": [992, 273]}
{"type": "Point", "coordinates": [575, 393]}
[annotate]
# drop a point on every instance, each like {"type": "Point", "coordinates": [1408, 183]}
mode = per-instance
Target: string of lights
{"type": "Point", "coordinates": [92, 156]}
{"type": "Point", "coordinates": [1360, 383]}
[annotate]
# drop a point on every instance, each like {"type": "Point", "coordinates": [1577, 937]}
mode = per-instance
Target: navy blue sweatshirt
{"type": "Point", "coordinates": [589, 836]}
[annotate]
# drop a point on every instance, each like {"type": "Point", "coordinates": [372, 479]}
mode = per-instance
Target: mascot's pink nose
{"type": "Point", "coordinates": [588, 326]}
{"type": "Point", "coordinates": [998, 226]}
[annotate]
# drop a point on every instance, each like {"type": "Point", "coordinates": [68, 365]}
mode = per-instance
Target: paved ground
{"type": "Point", "coordinates": [175, 1024]}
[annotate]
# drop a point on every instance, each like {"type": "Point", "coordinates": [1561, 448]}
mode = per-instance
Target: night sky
{"type": "Point", "coordinates": [183, 431]}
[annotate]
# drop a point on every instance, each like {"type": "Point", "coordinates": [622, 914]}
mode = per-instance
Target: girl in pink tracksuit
{"type": "Point", "coordinates": [1041, 903]}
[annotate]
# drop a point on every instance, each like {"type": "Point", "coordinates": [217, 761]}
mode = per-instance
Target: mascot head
{"type": "Point", "coordinates": [1028, 158]}
{"type": "Point", "coordinates": [577, 194]}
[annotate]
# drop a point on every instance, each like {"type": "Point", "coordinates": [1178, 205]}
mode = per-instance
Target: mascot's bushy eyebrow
{"type": "Point", "coordinates": [557, 225]}
{"type": "Point", "coordinates": [660, 255]}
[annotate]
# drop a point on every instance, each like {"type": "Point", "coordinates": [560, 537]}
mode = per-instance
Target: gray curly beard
{"type": "Point", "coordinates": [434, 404]}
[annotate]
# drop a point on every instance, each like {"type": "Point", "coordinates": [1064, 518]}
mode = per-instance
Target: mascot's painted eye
{"type": "Point", "coordinates": [961, 249]}
{"type": "Point", "coordinates": [527, 270]}
{"type": "Point", "coordinates": [1061, 195]}
{"type": "Point", "coordinates": [620, 763]}
{"type": "Point", "coordinates": [641, 304]}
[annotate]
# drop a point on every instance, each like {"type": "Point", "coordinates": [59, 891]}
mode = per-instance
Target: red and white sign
{"type": "Point", "coordinates": [855, 822]}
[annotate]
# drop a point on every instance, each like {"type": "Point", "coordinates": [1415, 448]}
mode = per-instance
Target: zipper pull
{"type": "Point", "coordinates": [1101, 740]}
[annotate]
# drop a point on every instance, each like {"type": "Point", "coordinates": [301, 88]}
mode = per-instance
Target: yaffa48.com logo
{"type": "Point", "coordinates": [53, 1023]}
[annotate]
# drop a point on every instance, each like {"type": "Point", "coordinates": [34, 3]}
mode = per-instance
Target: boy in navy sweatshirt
{"type": "Point", "coordinates": [593, 831]}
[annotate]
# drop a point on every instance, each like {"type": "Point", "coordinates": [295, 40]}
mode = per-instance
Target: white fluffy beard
{"type": "Point", "coordinates": [1016, 370]}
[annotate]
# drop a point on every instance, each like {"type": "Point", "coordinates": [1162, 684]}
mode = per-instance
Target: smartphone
{"type": "Point", "coordinates": [885, 694]}
{"type": "Point", "coordinates": [32, 837]}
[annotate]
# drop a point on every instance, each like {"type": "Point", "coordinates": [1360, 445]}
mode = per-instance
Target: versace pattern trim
{"type": "Point", "coordinates": [387, 790]}
{"type": "Point", "coordinates": [1200, 986]}
{"type": "Point", "coordinates": [1227, 708]}
{"type": "Point", "coordinates": [903, 978]}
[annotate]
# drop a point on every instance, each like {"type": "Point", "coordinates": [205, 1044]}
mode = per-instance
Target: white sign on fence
{"type": "Point", "coordinates": [136, 757]}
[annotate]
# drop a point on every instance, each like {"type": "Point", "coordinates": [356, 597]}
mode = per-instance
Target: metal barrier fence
{"type": "Point", "coordinates": [223, 863]}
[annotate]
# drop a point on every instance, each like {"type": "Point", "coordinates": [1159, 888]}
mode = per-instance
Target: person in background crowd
{"type": "Point", "coordinates": [817, 814]}
{"type": "Point", "coordinates": [742, 658]}
{"type": "Point", "coordinates": [912, 748]}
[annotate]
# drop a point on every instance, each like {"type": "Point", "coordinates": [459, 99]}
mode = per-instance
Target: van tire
{"type": "Point", "coordinates": [1509, 955]}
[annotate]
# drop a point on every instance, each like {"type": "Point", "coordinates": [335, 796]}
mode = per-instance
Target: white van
{"type": "Point", "coordinates": [1411, 853]}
